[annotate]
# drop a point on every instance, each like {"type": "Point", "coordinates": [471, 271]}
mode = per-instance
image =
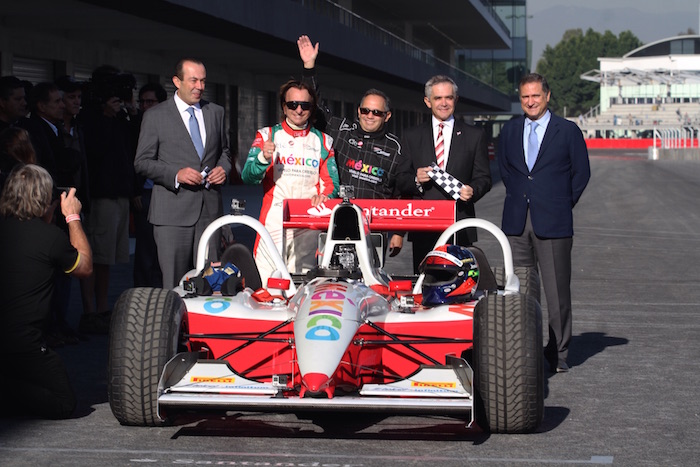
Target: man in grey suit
{"type": "Point", "coordinates": [180, 138]}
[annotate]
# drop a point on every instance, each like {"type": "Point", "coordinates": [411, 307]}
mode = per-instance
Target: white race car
{"type": "Point", "coordinates": [343, 337]}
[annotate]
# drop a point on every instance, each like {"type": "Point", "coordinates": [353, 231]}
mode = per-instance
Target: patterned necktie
{"type": "Point", "coordinates": [195, 134]}
{"type": "Point", "coordinates": [533, 146]}
{"type": "Point", "coordinates": [440, 148]}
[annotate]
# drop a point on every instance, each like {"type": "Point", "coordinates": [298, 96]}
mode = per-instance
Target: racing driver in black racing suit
{"type": "Point", "coordinates": [367, 155]}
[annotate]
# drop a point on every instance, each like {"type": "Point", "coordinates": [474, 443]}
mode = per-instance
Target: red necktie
{"type": "Point", "coordinates": [440, 148]}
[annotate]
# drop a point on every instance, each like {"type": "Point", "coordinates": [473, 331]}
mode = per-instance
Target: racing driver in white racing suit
{"type": "Point", "coordinates": [293, 160]}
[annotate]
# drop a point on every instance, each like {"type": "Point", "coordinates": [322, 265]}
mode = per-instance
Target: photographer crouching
{"type": "Point", "coordinates": [31, 251]}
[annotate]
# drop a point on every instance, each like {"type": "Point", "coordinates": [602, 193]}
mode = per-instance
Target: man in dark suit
{"type": "Point", "coordinates": [183, 202]}
{"type": "Point", "coordinates": [458, 148]}
{"type": "Point", "coordinates": [13, 101]}
{"type": "Point", "coordinates": [544, 173]}
{"type": "Point", "coordinates": [42, 125]}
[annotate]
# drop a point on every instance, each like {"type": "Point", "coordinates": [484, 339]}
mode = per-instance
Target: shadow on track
{"type": "Point", "coordinates": [331, 426]}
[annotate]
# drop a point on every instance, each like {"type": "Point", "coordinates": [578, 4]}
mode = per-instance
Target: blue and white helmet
{"type": "Point", "coordinates": [451, 275]}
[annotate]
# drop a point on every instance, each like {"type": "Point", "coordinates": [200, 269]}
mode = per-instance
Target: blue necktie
{"type": "Point", "coordinates": [195, 134]}
{"type": "Point", "coordinates": [533, 146]}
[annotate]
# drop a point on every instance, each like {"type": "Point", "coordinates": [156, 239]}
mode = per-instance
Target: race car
{"type": "Point", "coordinates": [461, 338]}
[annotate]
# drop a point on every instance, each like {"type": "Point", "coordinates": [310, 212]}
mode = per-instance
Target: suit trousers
{"type": "Point", "coordinates": [177, 248]}
{"type": "Point", "coordinates": [552, 256]}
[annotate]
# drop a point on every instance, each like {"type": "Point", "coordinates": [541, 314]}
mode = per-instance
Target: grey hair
{"type": "Point", "coordinates": [439, 79]}
{"type": "Point", "coordinates": [27, 192]}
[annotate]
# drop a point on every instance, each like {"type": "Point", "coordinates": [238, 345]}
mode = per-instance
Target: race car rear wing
{"type": "Point", "coordinates": [381, 214]}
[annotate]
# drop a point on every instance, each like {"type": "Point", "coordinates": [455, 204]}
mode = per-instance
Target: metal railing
{"type": "Point", "coordinates": [677, 138]}
{"type": "Point", "coordinates": [385, 37]}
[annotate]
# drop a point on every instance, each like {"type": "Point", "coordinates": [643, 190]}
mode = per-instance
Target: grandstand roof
{"type": "Point", "coordinates": [674, 60]}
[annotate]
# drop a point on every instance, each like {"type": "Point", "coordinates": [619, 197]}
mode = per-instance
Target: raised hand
{"type": "Point", "coordinates": [307, 51]}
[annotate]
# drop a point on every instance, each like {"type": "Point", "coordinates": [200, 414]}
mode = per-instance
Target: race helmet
{"type": "Point", "coordinates": [451, 275]}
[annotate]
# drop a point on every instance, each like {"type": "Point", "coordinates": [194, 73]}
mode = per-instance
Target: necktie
{"type": "Point", "coordinates": [440, 148]}
{"type": "Point", "coordinates": [195, 134]}
{"type": "Point", "coordinates": [533, 146]}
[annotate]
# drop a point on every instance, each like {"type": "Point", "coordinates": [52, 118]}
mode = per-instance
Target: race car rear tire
{"type": "Point", "coordinates": [529, 280]}
{"type": "Point", "coordinates": [508, 364]}
{"type": "Point", "coordinates": [145, 333]}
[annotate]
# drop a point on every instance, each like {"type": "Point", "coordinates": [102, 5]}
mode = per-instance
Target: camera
{"type": "Point", "coordinates": [106, 82]}
{"type": "Point", "coordinates": [56, 192]}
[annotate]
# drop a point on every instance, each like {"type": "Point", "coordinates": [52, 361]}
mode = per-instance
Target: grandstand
{"type": "Point", "coordinates": [654, 87]}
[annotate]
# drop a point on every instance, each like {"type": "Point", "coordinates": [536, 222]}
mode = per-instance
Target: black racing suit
{"type": "Point", "coordinates": [367, 161]}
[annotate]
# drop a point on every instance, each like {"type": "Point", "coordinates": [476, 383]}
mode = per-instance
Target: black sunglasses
{"type": "Point", "coordinates": [375, 112]}
{"type": "Point", "coordinates": [292, 105]}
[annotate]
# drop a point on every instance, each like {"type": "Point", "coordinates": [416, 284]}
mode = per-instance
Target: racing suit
{"type": "Point", "coordinates": [367, 161]}
{"type": "Point", "coordinates": [302, 166]}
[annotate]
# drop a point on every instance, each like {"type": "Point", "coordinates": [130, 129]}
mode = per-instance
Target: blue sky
{"type": "Point", "coordinates": [648, 20]}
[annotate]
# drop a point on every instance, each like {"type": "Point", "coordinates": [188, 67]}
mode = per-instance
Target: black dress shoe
{"type": "Point", "coordinates": [551, 360]}
{"type": "Point", "coordinates": [562, 367]}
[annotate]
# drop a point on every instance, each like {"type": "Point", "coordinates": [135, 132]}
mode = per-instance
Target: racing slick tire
{"type": "Point", "coordinates": [529, 280]}
{"type": "Point", "coordinates": [145, 333]}
{"type": "Point", "coordinates": [508, 364]}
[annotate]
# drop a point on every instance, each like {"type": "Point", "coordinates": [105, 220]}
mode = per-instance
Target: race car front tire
{"type": "Point", "coordinates": [508, 364]}
{"type": "Point", "coordinates": [145, 333]}
{"type": "Point", "coordinates": [529, 280]}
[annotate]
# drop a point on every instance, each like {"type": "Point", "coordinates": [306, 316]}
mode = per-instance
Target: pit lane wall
{"type": "Point", "coordinates": [687, 153]}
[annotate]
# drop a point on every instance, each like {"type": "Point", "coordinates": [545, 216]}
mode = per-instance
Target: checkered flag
{"type": "Point", "coordinates": [447, 182]}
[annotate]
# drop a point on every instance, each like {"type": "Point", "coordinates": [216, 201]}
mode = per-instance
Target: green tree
{"type": "Point", "coordinates": [574, 55]}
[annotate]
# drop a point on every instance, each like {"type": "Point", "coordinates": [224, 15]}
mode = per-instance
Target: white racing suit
{"type": "Point", "coordinates": [302, 166]}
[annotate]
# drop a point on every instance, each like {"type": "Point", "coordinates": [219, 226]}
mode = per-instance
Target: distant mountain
{"type": "Point", "coordinates": [547, 27]}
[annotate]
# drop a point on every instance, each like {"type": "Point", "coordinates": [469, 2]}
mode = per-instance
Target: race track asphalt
{"type": "Point", "coordinates": [630, 398]}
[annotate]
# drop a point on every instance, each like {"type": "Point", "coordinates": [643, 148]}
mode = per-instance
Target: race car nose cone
{"type": "Point", "coordinates": [315, 383]}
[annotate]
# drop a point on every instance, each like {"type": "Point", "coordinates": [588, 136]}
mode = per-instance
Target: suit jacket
{"type": "Point", "coordinates": [165, 147]}
{"type": "Point", "coordinates": [467, 160]}
{"type": "Point", "coordinates": [67, 166]}
{"type": "Point", "coordinates": [46, 143]}
{"type": "Point", "coordinates": [555, 184]}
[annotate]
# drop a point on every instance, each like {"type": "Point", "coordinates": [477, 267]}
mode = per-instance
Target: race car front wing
{"type": "Point", "coordinates": [189, 382]}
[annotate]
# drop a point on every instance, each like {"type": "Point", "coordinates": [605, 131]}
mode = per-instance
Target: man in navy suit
{"type": "Point", "coordinates": [545, 174]}
{"type": "Point", "coordinates": [182, 204]}
{"type": "Point", "coordinates": [464, 156]}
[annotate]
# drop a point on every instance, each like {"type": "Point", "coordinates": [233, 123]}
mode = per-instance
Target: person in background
{"type": "Point", "coordinates": [71, 132]}
{"type": "Point", "coordinates": [109, 147]}
{"type": "Point", "coordinates": [31, 251]}
{"type": "Point", "coordinates": [15, 148]}
{"type": "Point", "coordinates": [147, 271]}
{"type": "Point", "coordinates": [13, 101]}
{"type": "Point", "coordinates": [544, 165]}
{"type": "Point", "coordinates": [293, 160]}
{"type": "Point", "coordinates": [46, 116]}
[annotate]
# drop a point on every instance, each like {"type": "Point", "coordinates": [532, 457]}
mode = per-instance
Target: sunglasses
{"type": "Point", "coordinates": [375, 112]}
{"type": "Point", "coordinates": [292, 105]}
